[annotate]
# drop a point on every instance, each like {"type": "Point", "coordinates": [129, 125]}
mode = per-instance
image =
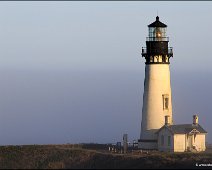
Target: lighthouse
{"type": "Point", "coordinates": [157, 98]}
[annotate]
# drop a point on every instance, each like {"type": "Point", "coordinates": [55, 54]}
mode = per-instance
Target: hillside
{"type": "Point", "coordinates": [75, 156]}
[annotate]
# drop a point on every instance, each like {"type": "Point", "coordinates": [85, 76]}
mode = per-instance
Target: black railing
{"type": "Point", "coordinates": [157, 38]}
{"type": "Point", "coordinates": [144, 51]}
{"type": "Point", "coordinates": [170, 50]}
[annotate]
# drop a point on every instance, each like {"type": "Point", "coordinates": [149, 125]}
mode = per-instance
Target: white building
{"type": "Point", "coordinates": [182, 137]}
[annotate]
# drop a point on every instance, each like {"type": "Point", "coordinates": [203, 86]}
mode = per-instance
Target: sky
{"type": "Point", "coordinates": [72, 72]}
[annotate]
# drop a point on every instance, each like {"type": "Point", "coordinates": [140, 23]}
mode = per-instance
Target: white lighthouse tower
{"type": "Point", "coordinates": [157, 100]}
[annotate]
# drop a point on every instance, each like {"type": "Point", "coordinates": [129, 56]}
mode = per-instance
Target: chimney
{"type": "Point", "coordinates": [167, 120]}
{"type": "Point", "coordinates": [195, 119]}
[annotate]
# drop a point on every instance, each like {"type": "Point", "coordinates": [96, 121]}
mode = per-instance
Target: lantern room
{"type": "Point", "coordinates": [157, 50]}
{"type": "Point", "coordinates": [157, 31]}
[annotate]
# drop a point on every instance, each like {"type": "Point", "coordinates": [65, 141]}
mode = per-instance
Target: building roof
{"type": "Point", "coordinates": [157, 23]}
{"type": "Point", "coordinates": [183, 128]}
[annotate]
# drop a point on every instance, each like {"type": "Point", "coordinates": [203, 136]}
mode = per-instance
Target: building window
{"type": "Point", "coordinates": [165, 101]}
{"type": "Point", "coordinates": [169, 140]}
{"type": "Point", "coordinates": [162, 140]}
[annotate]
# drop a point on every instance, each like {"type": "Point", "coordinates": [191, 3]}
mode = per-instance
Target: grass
{"type": "Point", "coordinates": [75, 156]}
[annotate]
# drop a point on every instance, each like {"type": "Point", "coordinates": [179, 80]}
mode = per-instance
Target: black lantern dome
{"type": "Point", "coordinates": [157, 23]}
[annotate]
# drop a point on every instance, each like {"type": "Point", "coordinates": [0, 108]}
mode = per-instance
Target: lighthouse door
{"type": "Point", "coordinates": [190, 137]}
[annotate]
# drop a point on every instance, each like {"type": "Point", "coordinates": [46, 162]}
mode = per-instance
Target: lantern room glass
{"type": "Point", "coordinates": [157, 34]}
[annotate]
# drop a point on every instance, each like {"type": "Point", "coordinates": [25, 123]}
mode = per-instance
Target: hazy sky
{"type": "Point", "coordinates": [72, 71]}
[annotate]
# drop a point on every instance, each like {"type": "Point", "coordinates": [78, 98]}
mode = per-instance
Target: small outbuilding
{"type": "Point", "coordinates": [182, 137]}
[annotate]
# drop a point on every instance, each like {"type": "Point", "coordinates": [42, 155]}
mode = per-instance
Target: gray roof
{"type": "Point", "coordinates": [183, 128]}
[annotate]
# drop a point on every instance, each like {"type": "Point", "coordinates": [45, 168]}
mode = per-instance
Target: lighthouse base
{"type": "Point", "coordinates": [147, 144]}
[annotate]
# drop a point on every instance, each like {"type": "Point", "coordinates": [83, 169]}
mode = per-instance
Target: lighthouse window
{"type": "Point", "coordinates": [160, 58]}
{"type": "Point", "coordinates": [165, 101]}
